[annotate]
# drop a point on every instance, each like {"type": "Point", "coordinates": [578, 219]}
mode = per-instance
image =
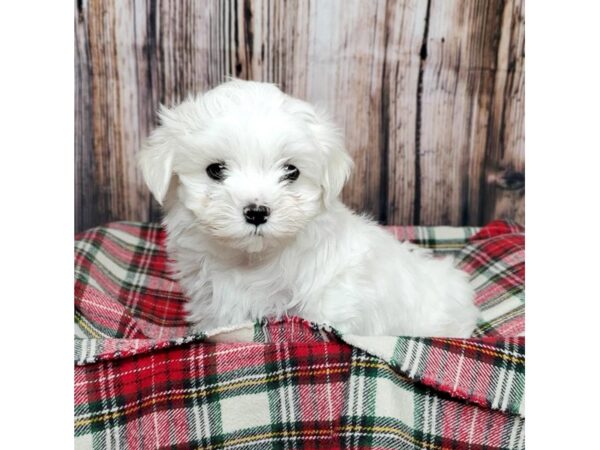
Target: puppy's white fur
{"type": "Point", "coordinates": [313, 257]}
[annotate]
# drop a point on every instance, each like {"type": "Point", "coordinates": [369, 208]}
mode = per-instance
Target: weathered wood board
{"type": "Point", "coordinates": [430, 94]}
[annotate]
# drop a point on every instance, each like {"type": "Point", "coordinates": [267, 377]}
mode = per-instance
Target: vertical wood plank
{"type": "Point", "coordinates": [346, 60]}
{"type": "Point", "coordinates": [506, 145]}
{"type": "Point", "coordinates": [146, 22]}
{"type": "Point", "coordinates": [85, 195]}
{"type": "Point", "coordinates": [406, 29]}
{"type": "Point", "coordinates": [460, 60]}
{"type": "Point", "coordinates": [106, 106]}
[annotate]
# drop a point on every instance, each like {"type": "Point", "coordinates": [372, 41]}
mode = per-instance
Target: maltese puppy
{"type": "Point", "coordinates": [249, 179]}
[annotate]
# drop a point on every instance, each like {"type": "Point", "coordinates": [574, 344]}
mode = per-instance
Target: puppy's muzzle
{"type": "Point", "coordinates": [256, 214]}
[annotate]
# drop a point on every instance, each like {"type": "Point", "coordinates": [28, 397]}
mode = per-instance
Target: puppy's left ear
{"type": "Point", "coordinates": [156, 158]}
{"type": "Point", "coordinates": [338, 163]}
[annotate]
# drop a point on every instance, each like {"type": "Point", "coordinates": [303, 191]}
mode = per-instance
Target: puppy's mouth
{"type": "Point", "coordinates": [255, 242]}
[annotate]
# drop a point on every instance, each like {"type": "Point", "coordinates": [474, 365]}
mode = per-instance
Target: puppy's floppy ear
{"type": "Point", "coordinates": [156, 157]}
{"type": "Point", "coordinates": [338, 163]}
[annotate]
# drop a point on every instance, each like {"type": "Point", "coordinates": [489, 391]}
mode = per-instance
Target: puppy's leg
{"type": "Point", "coordinates": [343, 307]}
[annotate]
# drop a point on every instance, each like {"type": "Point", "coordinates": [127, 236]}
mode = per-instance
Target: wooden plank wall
{"type": "Point", "coordinates": [430, 94]}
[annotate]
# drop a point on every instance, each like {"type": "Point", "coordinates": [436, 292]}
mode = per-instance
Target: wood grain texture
{"type": "Point", "coordinates": [429, 93]}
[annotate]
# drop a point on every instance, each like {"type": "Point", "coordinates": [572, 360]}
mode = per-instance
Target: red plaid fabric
{"type": "Point", "coordinates": [145, 379]}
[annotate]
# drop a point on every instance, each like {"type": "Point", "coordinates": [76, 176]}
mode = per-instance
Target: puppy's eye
{"type": "Point", "coordinates": [290, 173]}
{"type": "Point", "coordinates": [216, 171]}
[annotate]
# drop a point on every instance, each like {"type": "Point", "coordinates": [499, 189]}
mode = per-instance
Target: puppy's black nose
{"type": "Point", "coordinates": [256, 214]}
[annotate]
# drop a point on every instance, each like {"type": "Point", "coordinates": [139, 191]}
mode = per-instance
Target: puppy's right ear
{"type": "Point", "coordinates": [156, 158]}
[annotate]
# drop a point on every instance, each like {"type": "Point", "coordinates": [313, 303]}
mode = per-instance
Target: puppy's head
{"type": "Point", "coordinates": [250, 163]}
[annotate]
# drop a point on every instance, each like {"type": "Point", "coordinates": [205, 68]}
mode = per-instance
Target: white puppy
{"type": "Point", "coordinates": [249, 179]}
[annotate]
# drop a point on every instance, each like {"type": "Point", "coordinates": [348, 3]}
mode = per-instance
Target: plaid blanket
{"type": "Point", "coordinates": [146, 379]}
